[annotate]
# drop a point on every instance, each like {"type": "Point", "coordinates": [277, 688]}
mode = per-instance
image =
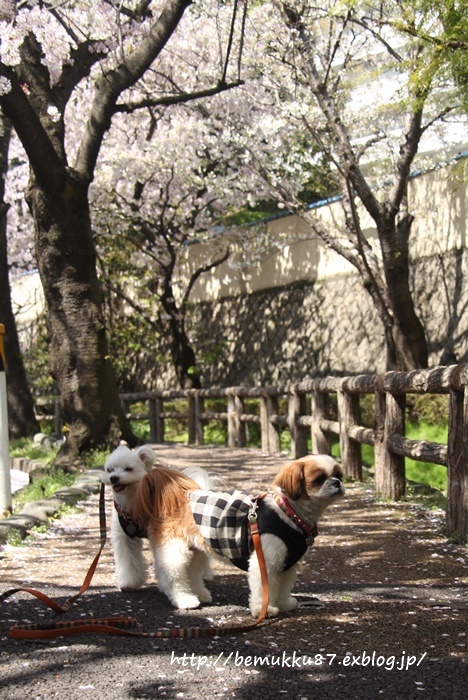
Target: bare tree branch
{"type": "Point", "coordinates": [182, 98]}
{"type": "Point", "coordinates": [201, 271]}
{"type": "Point", "coordinates": [111, 85]}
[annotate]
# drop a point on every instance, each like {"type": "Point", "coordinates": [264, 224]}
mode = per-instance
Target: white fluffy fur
{"type": "Point", "coordinates": [125, 468]}
{"type": "Point", "coordinates": [123, 471]}
{"type": "Point", "coordinates": [181, 558]}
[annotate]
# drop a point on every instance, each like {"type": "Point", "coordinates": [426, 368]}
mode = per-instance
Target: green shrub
{"type": "Point", "coordinates": [431, 409]}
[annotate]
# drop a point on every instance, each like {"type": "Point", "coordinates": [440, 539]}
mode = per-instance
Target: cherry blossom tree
{"type": "Point", "coordinates": [351, 79]}
{"type": "Point", "coordinates": [66, 71]}
{"type": "Point", "coordinates": [179, 186]}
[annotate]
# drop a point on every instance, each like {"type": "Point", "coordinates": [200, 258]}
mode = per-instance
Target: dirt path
{"type": "Point", "coordinates": [393, 623]}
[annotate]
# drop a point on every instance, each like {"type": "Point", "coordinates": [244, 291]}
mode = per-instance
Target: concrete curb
{"type": "Point", "coordinates": [23, 464]}
{"type": "Point", "coordinates": [36, 513]}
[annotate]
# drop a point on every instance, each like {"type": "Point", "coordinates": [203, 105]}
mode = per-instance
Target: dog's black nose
{"type": "Point", "coordinates": [335, 481]}
{"type": "Point", "coordinates": [114, 479]}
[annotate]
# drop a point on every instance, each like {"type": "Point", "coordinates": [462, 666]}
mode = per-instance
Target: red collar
{"type": "Point", "coordinates": [310, 530]}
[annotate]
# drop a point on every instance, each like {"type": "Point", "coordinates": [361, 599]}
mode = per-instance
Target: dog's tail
{"type": "Point", "coordinates": [161, 494]}
{"type": "Point", "coordinates": [205, 481]}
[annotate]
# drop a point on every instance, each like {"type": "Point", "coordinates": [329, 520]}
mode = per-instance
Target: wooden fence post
{"type": "Point", "coordinates": [192, 419]}
{"type": "Point", "coordinates": [156, 421]}
{"type": "Point", "coordinates": [58, 421]}
{"type": "Point", "coordinates": [270, 433]}
{"type": "Point", "coordinates": [296, 408]}
{"type": "Point", "coordinates": [319, 409]}
{"type": "Point", "coordinates": [199, 410]}
{"type": "Point", "coordinates": [349, 413]}
{"type": "Point", "coordinates": [457, 457]}
{"type": "Point", "coordinates": [389, 467]}
{"type": "Point", "coordinates": [237, 429]}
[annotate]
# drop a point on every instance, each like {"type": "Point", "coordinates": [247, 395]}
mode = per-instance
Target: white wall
{"type": "Point", "coordinates": [437, 203]}
{"type": "Point", "coordinates": [439, 207]}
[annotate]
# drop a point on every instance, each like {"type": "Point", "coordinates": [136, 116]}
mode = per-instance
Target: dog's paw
{"type": "Point", "coordinates": [129, 588]}
{"type": "Point", "coordinates": [205, 596]}
{"type": "Point", "coordinates": [272, 610]}
{"type": "Point", "coordinates": [288, 605]}
{"type": "Point", "coordinates": [208, 573]}
{"type": "Point", "coordinates": [131, 584]}
{"type": "Point", "coordinates": [131, 578]}
{"type": "Point", "coordinates": [185, 602]}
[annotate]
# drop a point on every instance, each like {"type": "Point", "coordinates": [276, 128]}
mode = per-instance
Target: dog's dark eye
{"type": "Point", "coordinates": [320, 480]}
{"type": "Point", "coordinates": [128, 469]}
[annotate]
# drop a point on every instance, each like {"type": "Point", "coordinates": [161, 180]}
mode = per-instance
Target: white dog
{"type": "Point", "coordinates": [123, 471]}
{"type": "Point", "coordinates": [186, 521]}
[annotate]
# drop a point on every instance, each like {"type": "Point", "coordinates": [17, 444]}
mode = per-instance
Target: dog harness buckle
{"type": "Point", "coordinates": [253, 510]}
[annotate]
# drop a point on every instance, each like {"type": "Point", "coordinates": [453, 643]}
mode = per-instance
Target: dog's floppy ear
{"type": "Point", "coordinates": [290, 479]}
{"type": "Point", "coordinates": [147, 456]}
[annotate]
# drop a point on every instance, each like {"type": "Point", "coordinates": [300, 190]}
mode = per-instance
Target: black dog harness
{"type": "Point", "coordinates": [130, 526]}
{"type": "Point", "coordinates": [222, 519]}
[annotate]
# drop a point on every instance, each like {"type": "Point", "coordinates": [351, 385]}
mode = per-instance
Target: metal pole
{"type": "Point", "coordinates": [5, 484]}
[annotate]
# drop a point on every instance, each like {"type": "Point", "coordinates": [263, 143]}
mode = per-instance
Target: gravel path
{"type": "Point", "coordinates": [392, 619]}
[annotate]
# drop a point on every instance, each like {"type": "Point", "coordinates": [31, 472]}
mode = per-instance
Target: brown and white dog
{"type": "Point", "coordinates": [186, 522]}
{"type": "Point", "coordinates": [123, 471]}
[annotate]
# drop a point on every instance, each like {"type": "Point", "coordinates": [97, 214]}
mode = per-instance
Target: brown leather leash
{"type": "Point", "coordinates": [123, 626]}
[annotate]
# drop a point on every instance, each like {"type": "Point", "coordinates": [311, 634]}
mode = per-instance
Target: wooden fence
{"type": "Point", "coordinates": [308, 419]}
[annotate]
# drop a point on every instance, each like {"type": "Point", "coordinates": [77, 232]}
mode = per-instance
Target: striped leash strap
{"type": "Point", "coordinates": [123, 627]}
{"type": "Point", "coordinates": [128, 627]}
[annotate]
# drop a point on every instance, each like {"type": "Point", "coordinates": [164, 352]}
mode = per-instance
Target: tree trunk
{"type": "Point", "coordinates": [21, 419]}
{"type": "Point", "coordinates": [80, 360]}
{"type": "Point", "coordinates": [58, 199]}
{"type": "Point", "coordinates": [182, 353]}
{"type": "Point", "coordinates": [408, 339]}
{"type": "Point", "coordinates": [185, 361]}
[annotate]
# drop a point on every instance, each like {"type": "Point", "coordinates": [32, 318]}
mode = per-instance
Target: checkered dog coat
{"type": "Point", "coordinates": [223, 524]}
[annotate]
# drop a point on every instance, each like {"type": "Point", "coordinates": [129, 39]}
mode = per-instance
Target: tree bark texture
{"type": "Point", "coordinates": [182, 353]}
{"type": "Point", "coordinates": [388, 286]}
{"type": "Point", "coordinates": [21, 418]}
{"type": "Point", "coordinates": [80, 357]}
{"type": "Point", "coordinates": [408, 335]}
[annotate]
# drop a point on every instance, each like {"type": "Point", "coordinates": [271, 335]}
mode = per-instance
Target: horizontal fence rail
{"type": "Point", "coordinates": [306, 414]}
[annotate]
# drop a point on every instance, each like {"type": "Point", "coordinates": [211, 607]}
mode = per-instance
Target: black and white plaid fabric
{"type": "Point", "coordinates": [222, 521]}
{"type": "Point", "coordinates": [223, 524]}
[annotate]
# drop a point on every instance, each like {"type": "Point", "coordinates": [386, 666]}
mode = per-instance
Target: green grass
{"type": "Point", "coordinates": [51, 480]}
{"type": "Point", "coordinates": [434, 475]}
{"type": "Point", "coordinates": [43, 487]}
{"type": "Point", "coordinates": [27, 449]}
